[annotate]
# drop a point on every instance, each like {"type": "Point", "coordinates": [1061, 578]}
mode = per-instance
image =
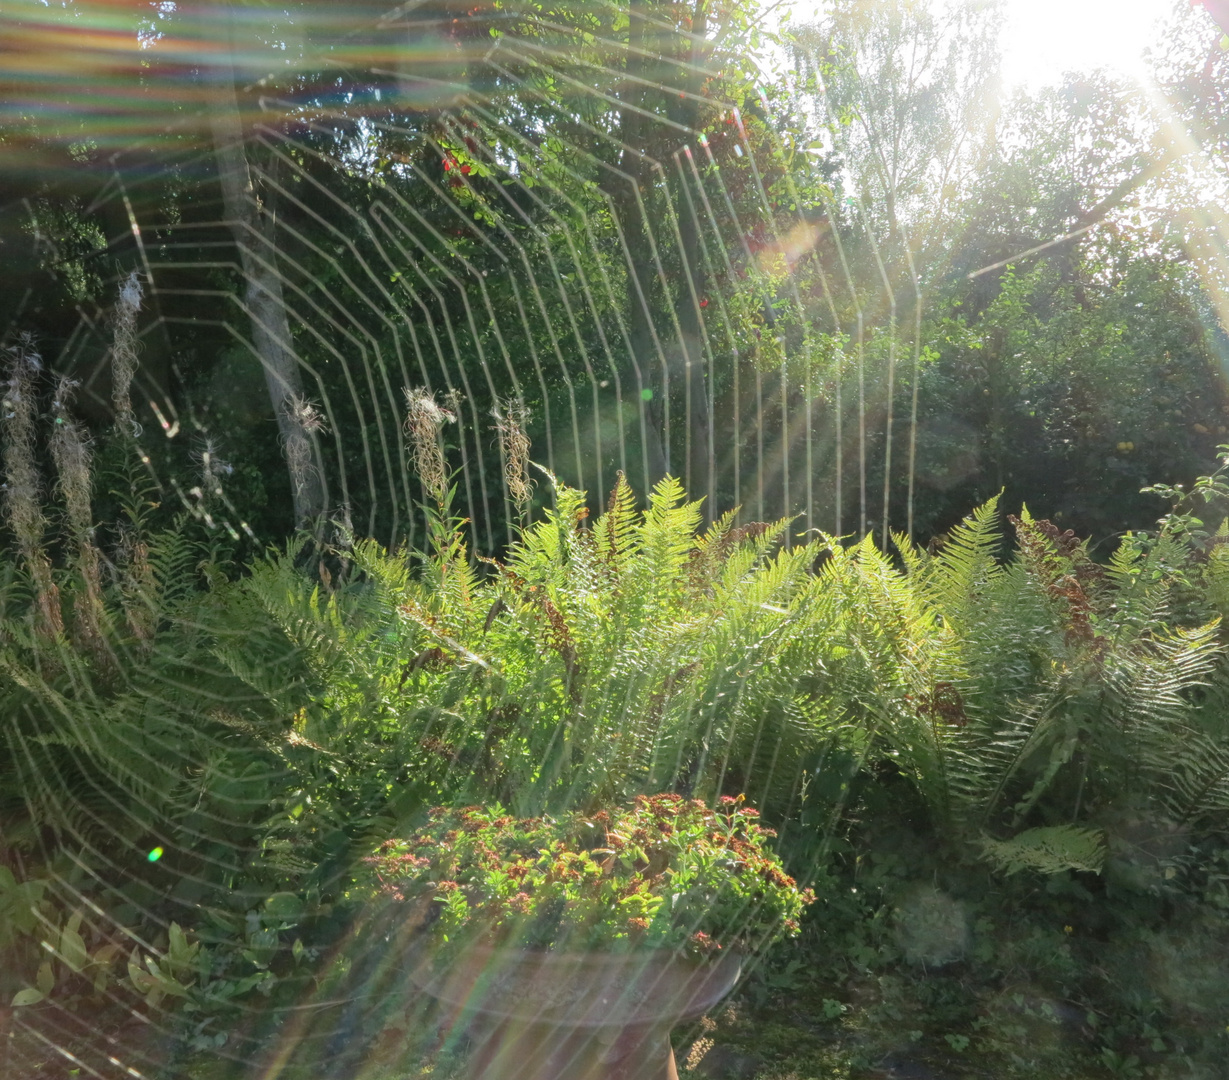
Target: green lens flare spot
{"type": "Point", "coordinates": [155, 855]}
{"type": "Point", "coordinates": [646, 394]}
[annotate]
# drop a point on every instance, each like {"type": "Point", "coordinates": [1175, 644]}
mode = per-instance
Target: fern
{"type": "Point", "coordinates": [966, 567]}
{"type": "Point", "coordinates": [616, 536]}
{"type": "Point", "coordinates": [1048, 850]}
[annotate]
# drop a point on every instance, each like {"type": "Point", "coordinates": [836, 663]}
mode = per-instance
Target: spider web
{"type": "Point", "coordinates": [488, 278]}
{"type": "Point", "coordinates": [492, 240]}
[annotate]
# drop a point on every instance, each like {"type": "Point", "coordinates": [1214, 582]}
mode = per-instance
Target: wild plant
{"type": "Point", "coordinates": [98, 740]}
{"type": "Point", "coordinates": [511, 417]}
{"type": "Point", "coordinates": [631, 654]}
{"type": "Point", "coordinates": [424, 421]}
{"type": "Point", "coordinates": [23, 485]}
{"type": "Point", "coordinates": [307, 421]}
{"type": "Point", "coordinates": [70, 452]}
{"type": "Point", "coordinates": [1024, 701]}
{"type": "Point", "coordinates": [1020, 703]}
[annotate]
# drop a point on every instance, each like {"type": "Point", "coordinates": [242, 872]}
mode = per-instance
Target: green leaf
{"type": "Point", "coordinates": [27, 997]}
{"type": "Point", "coordinates": [104, 954]}
{"type": "Point", "coordinates": [72, 949]}
{"type": "Point", "coordinates": [180, 952]}
{"type": "Point", "coordinates": [141, 982]}
{"type": "Point", "coordinates": [284, 907]}
{"type": "Point", "coordinates": [45, 980]}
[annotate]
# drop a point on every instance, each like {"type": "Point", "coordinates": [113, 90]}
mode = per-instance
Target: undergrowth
{"type": "Point", "coordinates": [1006, 779]}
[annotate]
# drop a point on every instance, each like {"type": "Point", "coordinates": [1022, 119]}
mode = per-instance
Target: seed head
{"type": "Point", "coordinates": [424, 420]}
{"type": "Point", "coordinates": [23, 486]}
{"type": "Point", "coordinates": [511, 416]}
{"type": "Point", "coordinates": [307, 420]}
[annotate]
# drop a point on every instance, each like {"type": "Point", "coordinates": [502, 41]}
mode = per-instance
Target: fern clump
{"type": "Point", "coordinates": [633, 653]}
{"type": "Point", "coordinates": [585, 668]}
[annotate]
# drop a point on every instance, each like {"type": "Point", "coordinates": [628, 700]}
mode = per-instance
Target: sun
{"type": "Point", "coordinates": [1043, 39]}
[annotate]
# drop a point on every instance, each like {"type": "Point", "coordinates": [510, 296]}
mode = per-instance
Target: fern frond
{"type": "Point", "coordinates": [1048, 850]}
{"type": "Point", "coordinates": [915, 559]}
{"type": "Point", "coordinates": [959, 575]}
{"type": "Point", "coordinates": [616, 529]}
{"type": "Point", "coordinates": [1216, 573]}
{"type": "Point", "coordinates": [665, 537]}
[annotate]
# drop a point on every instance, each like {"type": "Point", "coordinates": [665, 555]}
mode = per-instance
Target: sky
{"type": "Point", "coordinates": [1044, 38]}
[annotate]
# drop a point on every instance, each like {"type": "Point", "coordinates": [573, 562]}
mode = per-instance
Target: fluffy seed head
{"type": "Point", "coordinates": [423, 422]}
{"type": "Point", "coordinates": [511, 416]}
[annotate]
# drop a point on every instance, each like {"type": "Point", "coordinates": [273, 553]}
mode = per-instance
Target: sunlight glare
{"type": "Point", "coordinates": [1042, 39]}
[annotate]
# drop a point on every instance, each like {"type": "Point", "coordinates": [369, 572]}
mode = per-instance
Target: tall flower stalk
{"type": "Point", "coordinates": [306, 421]}
{"type": "Point", "coordinates": [136, 575]}
{"type": "Point", "coordinates": [424, 420]}
{"type": "Point", "coordinates": [23, 510]}
{"type": "Point", "coordinates": [124, 354]}
{"type": "Point", "coordinates": [70, 451]}
{"type": "Point", "coordinates": [511, 417]}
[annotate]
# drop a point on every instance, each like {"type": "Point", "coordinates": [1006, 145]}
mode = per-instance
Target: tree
{"type": "Point", "coordinates": [1069, 372]}
{"type": "Point", "coordinates": [253, 225]}
{"type": "Point", "coordinates": [909, 97]}
{"type": "Point", "coordinates": [671, 89]}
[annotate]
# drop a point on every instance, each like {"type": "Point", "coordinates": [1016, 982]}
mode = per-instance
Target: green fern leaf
{"type": "Point", "coordinates": [1048, 850]}
{"type": "Point", "coordinates": [967, 564]}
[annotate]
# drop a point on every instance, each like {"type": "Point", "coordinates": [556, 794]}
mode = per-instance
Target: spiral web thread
{"type": "Point", "coordinates": [406, 308]}
{"type": "Point", "coordinates": [407, 324]}
{"type": "Point", "coordinates": [386, 301]}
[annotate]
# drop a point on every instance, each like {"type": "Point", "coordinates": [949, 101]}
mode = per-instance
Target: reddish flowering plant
{"type": "Point", "coordinates": [662, 872]}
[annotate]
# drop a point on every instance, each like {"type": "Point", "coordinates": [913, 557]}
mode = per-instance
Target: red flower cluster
{"type": "Point", "coordinates": [450, 163]}
{"type": "Point", "coordinates": [670, 872]}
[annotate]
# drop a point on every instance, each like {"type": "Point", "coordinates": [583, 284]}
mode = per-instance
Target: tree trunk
{"type": "Point", "coordinates": [701, 460]}
{"type": "Point", "coordinates": [672, 371]}
{"type": "Point", "coordinates": [645, 346]}
{"type": "Point", "coordinates": [253, 230]}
